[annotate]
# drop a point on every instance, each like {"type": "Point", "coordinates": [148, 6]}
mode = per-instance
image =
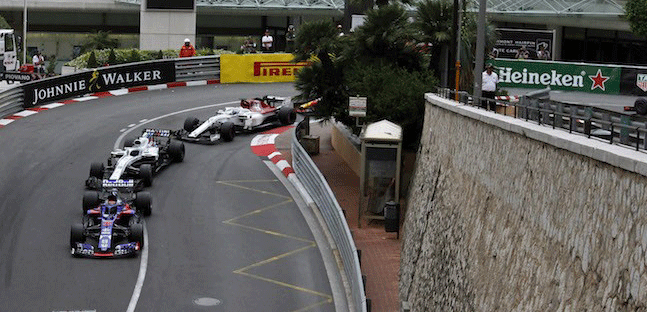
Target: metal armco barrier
{"type": "Point", "coordinates": [197, 68]}
{"type": "Point", "coordinates": [12, 100]}
{"type": "Point", "coordinates": [317, 187]}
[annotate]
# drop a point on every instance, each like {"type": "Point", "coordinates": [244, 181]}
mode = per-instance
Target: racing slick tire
{"type": "Point", "coordinates": [76, 234]}
{"type": "Point", "coordinates": [227, 131]}
{"type": "Point", "coordinates": [640, 105]}
{"type": "Point", "coordinates": [287, 116]}
{"type": "Point", "coordinates": [143, 203]}
{"type": "Point", "coordinates": [96, 170]}
{"type": "Point", "coordinates": [190, 123]}
{"type": "Point", "coordinates": [90, 200]}
{"type": "Point", "coordinates": [137, 234]}
{"type": "Point", "coordinates": [146, 174]}
{"type": "Point", "coordinates": [176, 151]}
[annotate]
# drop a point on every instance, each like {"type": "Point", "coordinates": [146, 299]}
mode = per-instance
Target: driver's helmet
{"type": "Point", "coordinates": [141, 141]}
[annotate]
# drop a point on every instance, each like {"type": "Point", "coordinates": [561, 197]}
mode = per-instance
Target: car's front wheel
{"type": "Point", "coordinates": [143, 203]}
{"type": "Point", "coordinates": [137, 234]}
{"type": "Point", "coordinates": [146, 174]}
{"type": "Point", "coordinates": [90, 200]}
{"type": "Point", "coordinates": [176, 151]}
{"type": "Point", "coordinates": [190, 123]}
{"type": "Point", "coordinates": [77, 234]}
{"type": "Point", "coordinates": [227, 131]}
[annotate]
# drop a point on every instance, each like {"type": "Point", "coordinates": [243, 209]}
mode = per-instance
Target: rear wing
{"type": "Point", "coordinates": [162, 133]}
{"type": "Point", "coordinates": [121, 183]}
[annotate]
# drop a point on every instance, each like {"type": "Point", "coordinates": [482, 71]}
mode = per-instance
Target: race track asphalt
{"type": "Point", "coordinates": [225, 234]}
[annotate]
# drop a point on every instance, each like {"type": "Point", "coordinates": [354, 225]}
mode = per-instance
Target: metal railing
{"type": "Point", "coordinates": [618, 128]}
{"type": "Point", "coordinates": [11, 100]}
{"type": "Point", "coordinates": [317, 187]}
{"type": "Point", "coordinates": [197, 68]}
{"type": "Point", "coordinates": [186, 69]}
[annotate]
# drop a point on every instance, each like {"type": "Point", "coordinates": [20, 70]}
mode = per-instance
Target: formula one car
{"type": "Point", "coordinates": [111, 228]}
{"type": "Point", "coordinates": [139, 160]}
{"type": "Point", "coordinates": [252, 114]}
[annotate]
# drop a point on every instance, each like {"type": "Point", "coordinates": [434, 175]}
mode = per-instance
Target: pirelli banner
{"type": "Point", "coordinates": [98, 80]}
{"type": "Point", "coordinates": [275, 67]}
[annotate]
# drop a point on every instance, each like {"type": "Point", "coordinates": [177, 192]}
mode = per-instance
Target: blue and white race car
{"type": "Point", "coordinates": [110, 228]}
{"type": "Point", "coordinates": [139, 160]}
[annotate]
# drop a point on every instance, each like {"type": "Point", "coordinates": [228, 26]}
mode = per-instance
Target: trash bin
{"type": "Point", "coordinates": [392, 217]}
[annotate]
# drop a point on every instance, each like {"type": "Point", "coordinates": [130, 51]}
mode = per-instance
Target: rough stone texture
{"type": "Point", "coordinates": [500, 222]}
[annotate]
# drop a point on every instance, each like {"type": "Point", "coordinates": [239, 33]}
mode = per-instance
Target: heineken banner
{"type": "Point", "coordinates": [559, 76]}
{"type": "Point", "coordinates": [98, 80]}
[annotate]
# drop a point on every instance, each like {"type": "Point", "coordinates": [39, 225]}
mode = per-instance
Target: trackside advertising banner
{"type": "Point", "coordinates": [558, 76]}
{"type": "Point", "coordinates": [275, 67]}
{"type": "Point", "coordinates": [98, 80]}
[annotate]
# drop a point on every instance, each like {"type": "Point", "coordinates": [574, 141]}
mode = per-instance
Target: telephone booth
{"type": "Point", "coordinates": [380, 168]}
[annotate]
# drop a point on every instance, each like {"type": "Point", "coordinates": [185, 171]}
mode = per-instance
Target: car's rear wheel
{"type": "Point", "coordinates": [190, 123]}
{"type": "Point", "coordinates": [143, 203]}
{"type": "Point", "coordinates": [146, 174]}
{"type": "Point", "coordinates": [176, 151]}
{"type": "Point", "coordinates": [287, 116]}
{"type": "Point", "coordinates": [96, 170]}
{"type": "Point", "coordinates": [227, 131]}
{"type": "Point", "coordinates": [641, 106]}
{"type": "Point", "coordinates": [137, 234]}
{"type": "Point", "coordinates": [77, 234]}
{"type": "Point", "coordinates": [90, 200]}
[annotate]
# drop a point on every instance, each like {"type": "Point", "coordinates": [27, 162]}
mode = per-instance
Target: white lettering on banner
{"type": "Point", "coordinates": [117, 78]}
{"type": "Point", "coordinates": [41, 94]}
{"type": "Point", "coordinates": [553, 78]}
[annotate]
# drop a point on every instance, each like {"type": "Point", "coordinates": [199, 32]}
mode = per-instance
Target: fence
{"type": "Point", "coordinates": [317, 187]}
{"type": "Point", "coordinates": [615, 127]}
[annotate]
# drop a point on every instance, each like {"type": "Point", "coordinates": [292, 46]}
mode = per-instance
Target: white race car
{"type": "Point", "coordinates": [139, 160]}
{"type": "Point", "coordinates": [252, 114]}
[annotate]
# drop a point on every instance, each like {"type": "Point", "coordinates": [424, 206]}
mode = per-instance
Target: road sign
{"type": "Point", "coordinates": [357, 106]}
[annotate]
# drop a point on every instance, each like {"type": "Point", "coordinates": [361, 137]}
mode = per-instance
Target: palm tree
{"type": "Point", "coordinates": [434, 19]}
{"type": "Point", "coordinates": [99, 41]}
{"type": "Point", "coordinates": [387, 36]}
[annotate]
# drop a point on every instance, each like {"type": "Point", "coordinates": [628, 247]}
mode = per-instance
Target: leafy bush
{"type": "Point", "coordinates": [125, 55]}
{"type": "Point", "coordinates": [92, 61]}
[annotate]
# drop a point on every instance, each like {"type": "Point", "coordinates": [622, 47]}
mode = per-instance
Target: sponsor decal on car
{"type": "Point", "coordinates": [118, 183]}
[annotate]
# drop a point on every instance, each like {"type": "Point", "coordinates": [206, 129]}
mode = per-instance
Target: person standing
{"type": "Point", "coordinates": [266, 42]}
{"type": "Point", "coordinates": [488, 87]}
{"type": "Point", "coordinates": [289, 39]}
{"type": "Point", "coordinates": [187, 49]}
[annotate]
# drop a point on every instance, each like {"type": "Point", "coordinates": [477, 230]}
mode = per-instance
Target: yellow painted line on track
{"type": "Point", "coordinates": [327, 299]}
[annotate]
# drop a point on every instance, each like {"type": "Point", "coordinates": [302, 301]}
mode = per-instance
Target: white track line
{"type": "Point", "coordinates": [143, 264]}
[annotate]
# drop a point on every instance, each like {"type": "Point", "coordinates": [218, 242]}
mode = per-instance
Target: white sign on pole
{"type": "Point", "coordinates": [357, 106]}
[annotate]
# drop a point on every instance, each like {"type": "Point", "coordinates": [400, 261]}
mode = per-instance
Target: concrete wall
{"type": "Point", "coordinates": [505, 215]}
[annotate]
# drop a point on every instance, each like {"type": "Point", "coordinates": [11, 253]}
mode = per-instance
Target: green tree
{"type": "Point", "coordinates": [636, 14]}
{"type": "Point", "coordinates": [92, 61]}
{"type": "Point", "coordinates": [51, 66]}
{"type": "Point", "coordinates": [387, 35]}
{"type": "Point", "coordinates": [98, 41]}
{"type": "Point", "coordinates": [434, 20]}
{"type": "Point", "coordinates": [112, 58]}
{"type": "Point", "coordinates": [319, 42]}
{"type": "Point", "coordinates": [3, 23]}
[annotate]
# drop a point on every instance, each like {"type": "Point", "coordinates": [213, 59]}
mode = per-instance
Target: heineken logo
{"type": "Point", "coordinates": [598, 81]}
{"type": "Point", "coordinates": [641, 82]}
{"type": "Point", "coordinates": [553, 78]}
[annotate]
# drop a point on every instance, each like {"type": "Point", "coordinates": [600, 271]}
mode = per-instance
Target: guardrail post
{"type": "Point", "coordinates": [624, 131]}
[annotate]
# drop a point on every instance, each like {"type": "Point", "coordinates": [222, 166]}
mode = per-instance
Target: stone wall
{"type": "Point", "coordinates": [500, 219]}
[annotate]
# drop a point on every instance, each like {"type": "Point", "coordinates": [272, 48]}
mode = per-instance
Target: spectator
{"type": "Point", "coordinates": [249, 46]}
{"type": "Point", "coordinates": [340, 29]}
{"type": "Point", "coordinates": [289, 39]}
{"type": "Point", "coordinates": [266, 42]}
{"type": "Point", "coordinates": [187, 49]}
{"type": "Point", "coordinates": [488, 87]}
{"type": "Point", "coordinates": [38, 61]}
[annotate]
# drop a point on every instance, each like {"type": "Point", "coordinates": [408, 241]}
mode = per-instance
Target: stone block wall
{"type": "Point", "coordinates": [500, 221]}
